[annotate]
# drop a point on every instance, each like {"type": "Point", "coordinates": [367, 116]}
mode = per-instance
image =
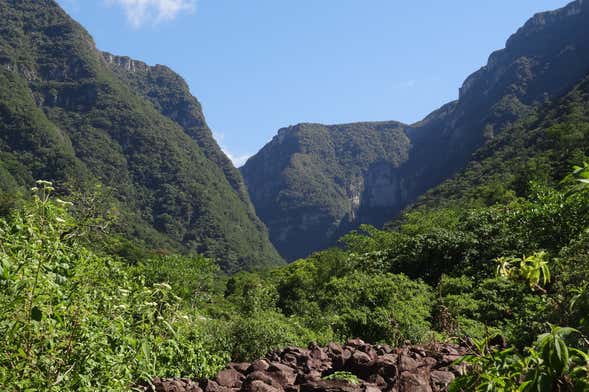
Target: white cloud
{"type": "Point", "coordinates": [238, 160]}
{"type": "Point", "coordinates": [140, 12]}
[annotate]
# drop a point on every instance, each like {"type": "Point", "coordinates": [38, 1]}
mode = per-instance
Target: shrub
{"type": "Point", "coordinates": [379, 308]}
{"type": "Point", "coordinates": [73, 320]}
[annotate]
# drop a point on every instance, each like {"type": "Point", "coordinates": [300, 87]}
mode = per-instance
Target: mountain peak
{"type": "Point", "coordinates": [313, 182]}
{"type": "Point", "coordinates": [543, 32]}
{"type": "Point", "coordinates": [78, 116]}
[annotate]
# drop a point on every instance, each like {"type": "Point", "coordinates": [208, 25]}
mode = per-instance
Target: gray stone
{"type": "Point", "coordinates": [229, 378]}
{"type": "Point", "coordinates": [441, 379]}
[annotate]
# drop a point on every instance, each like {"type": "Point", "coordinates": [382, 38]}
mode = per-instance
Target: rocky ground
{"type": "Point", "coordinates": [378, 368]}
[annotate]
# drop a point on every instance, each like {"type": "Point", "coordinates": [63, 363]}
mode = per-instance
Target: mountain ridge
{"type": "Point", "coordinates": [543, 59]}
{"type": "Point", "coordinates": [90, 121]}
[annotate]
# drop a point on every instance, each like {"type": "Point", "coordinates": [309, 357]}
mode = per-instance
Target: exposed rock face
{"type": "Point", "coordinates": [313, 183]}
{"type": "Point", "coordinates": [303, 201]}
{"type": "Point", "coordinates": [378, 368]}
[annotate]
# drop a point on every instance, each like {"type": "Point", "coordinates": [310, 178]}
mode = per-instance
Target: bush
{"type": "Point", "coordinates": [73, 320]}
{"type": "Point", "coordinates": [257, 334]}
{"type": "Point", "coordinates": [379, 308]}
{"type": "Point", "coordinates": [192, 278]}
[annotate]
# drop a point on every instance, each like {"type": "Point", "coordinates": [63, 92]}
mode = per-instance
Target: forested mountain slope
{"type": "Point", "coordinates": [77, 116]}
{"type": "Point", "coordinates": [540, 63]}
{"type": "Point", "coordinates": [539, 148]}
{"type": "Point", "coordinates": [313, 183]}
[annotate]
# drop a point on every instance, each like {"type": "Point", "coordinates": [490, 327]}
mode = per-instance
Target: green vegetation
{"type": "Point", "coordinates": [550, 365]}
{"type": "Point", "coordinates": [312, 172]}
{"type": "Point", "coordinates": [176, 316]}
{"type": "Point", "coordinates": [343, 376]}
{"type": "Point", "coordinates": [72, 114]}
{"type": "Point", "coordinates": [513, 272]}
{"type": "Point", "coordinates": [75, 320]}
{"type": "Point", "coordinates": [126, 279]}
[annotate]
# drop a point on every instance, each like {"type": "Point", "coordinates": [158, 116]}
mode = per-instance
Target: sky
{"type": "Point", "coordinates": [260, 65]}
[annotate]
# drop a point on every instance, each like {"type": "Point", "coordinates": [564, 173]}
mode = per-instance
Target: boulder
{"type": "Point", "coordinates": [429, 362]}
{"type": "Point", "coordinates": [330, 386]}
{"type": "Point", "coordinates": [377, 380]}
{"type": "Point", "coordinates": [414, 382]}
{"type": "Point", "coordinates": [260, 386]}
{"type": "Point", "coordinates": [303, 378]}
{"type": "Point", "coordinates": [261, 376]}
{"type": "Point", "coordinates": [386, 365]}
{"type": "Point", "coordinates": [441, 379]}
{"type": "Point", "coordinates": [361, 359]}
{"type": "Point", "coordinates": [229, 378]}
{"type": "Point", "coordinates": [383, 349]}
{"type": "Point", "coordinates": [282, 374]}
{"type": "Point", "coordinates": [258, 365]}
{"type": "Point", "coordinates": [334, 349]}
{"type": "Point", "coordinates": [290, 359]}
{"type": "Point", "coordinates": [371, 388]}
{"type": "Point", "coordinates": [339, 361]}
{"type": "Point", "coordinates": [355, 343]}
{"type": "Point", "coordinates": [241, 367]}
{"type": "Point", "coordinates": [212, 386]}
{"type": "Point", "coordinates": [406, 363]}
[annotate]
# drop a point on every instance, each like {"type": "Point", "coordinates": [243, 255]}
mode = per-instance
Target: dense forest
{"type": "Point", "coordinates": [104, 287]}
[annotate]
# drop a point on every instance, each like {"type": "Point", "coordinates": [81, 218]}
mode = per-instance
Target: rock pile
{"type": "Point", "coordinates": [377, 367]}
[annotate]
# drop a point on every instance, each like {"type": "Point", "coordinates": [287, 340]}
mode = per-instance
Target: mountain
{"type": "Point", "coordinates": [541, 148]}
{"type": "Point", "coordinates": [540, 62]}
{"type": "Point", "coordinates": [312, 183]}
{"type": "Point", "coordinates": [77, 116]}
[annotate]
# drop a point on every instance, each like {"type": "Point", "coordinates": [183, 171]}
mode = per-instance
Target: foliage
{"type": "Point", "coordinates": [492, 306]}
{"type": "Point", "coordinates": [531, 269]}
{"type": "Point", "coordinates": [255, 325]}
{"type": "Point", "coordinates": [551, 365]}
{"type": "Point", "coordinates": [255, 335]}
{"type": "Point", "coordinates": [379, 308]}
{"type": "Point", "coordinates": [192, 278]}
{"type": "Point", "coordinates": [73, 320]}
{"type": "Point", "coordinates": [343, 376]}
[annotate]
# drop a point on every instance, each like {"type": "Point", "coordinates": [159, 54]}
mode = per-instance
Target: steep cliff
{"type": "Point", "coordinates": [313, 183]}
{"type": "Point", "coordinates": [540, 62]}
{"type": "Point", "coordinates": [75, 115]}
{"type": "Point", "coordinates": [540, 149]}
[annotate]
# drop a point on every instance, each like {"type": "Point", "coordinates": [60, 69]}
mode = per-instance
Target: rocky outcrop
{"type": "Point", "coordinates": [377, 367]}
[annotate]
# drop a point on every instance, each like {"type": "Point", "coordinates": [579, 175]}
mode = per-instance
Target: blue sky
{"type": "Point", "coordinates": [260, 65]}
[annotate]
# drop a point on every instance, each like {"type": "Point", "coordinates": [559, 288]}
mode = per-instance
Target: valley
{"type": "Point", "coordinates": [451, 254]}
